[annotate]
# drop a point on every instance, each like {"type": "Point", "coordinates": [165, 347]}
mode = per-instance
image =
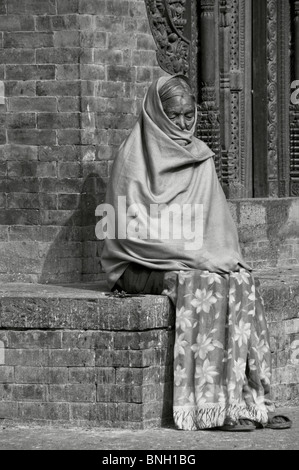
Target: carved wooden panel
{"type": "Point", "coordinates": [211, 42]}
{"type": "Point", "coordinates": [294, 108]}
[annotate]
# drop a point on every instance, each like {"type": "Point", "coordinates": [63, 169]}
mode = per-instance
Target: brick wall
{"type": "Point", "coordinates": [72, 77]}
{"type": "Point", "coordinates": [91, 361]}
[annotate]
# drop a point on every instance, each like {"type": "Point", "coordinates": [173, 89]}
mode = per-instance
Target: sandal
{"type": "Point", "coordinates": [279, 422]}
{"type": "Point", "coordinates": [240, 425]}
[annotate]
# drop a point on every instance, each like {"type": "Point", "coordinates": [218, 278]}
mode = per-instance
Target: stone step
{"type": "Point", "coordinates": [76, 355]}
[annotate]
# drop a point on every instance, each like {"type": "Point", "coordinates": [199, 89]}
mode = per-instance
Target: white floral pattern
{"type": "Point", "coordinates": [221, 342]}
{"type": "Point", "coordinates": [203, 300]}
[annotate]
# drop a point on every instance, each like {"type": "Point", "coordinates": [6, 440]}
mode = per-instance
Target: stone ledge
{"type": "Point", "coordinates": [73, 354]}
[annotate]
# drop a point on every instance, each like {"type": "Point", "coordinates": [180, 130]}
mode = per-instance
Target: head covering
{"type": "Point", "coordinates": [159, 164]}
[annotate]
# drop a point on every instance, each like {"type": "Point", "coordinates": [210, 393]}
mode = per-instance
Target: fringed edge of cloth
{"type": "Point", "coordinates": [194, 418]}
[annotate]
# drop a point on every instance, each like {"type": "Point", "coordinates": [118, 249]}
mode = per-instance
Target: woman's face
{"type": "Point", "coordinates": [181, 111]}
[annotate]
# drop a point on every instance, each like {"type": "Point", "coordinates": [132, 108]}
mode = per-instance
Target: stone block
{"type": "Point", "coordinates": [6, 374]}
{"type": "Point", "coordinates": [72, 393]}
{"type": "Point", "coordinates": [16, 22]}
{"type": "Point", "coordinates": [29, 411]}
{"type": "Point", "coordinates": [28, 40]}
{"type": "Point", "coordinates": [30, 72]}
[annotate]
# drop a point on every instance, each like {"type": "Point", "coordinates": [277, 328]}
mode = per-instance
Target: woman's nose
{"type": "Point", "coordinates": [181, 123]}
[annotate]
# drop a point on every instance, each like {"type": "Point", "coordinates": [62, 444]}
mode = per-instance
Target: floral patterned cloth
{"type": "Point", "coordinates": [222, 359]}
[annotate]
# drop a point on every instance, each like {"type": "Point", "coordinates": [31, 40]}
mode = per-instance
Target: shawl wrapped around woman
{"type": "Point", "coordinates": [158, 164]}
{"type": "Point", "coordinates": [222, 358]}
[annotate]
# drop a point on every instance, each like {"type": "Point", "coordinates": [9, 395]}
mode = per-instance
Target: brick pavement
{"type": "Point", "coordinates": [163, 439]}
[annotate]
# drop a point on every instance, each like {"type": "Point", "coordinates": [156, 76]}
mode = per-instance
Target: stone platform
{"type": "Point", "coordinates": [75, 355]}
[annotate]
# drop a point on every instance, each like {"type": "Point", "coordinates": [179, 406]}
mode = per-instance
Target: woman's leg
{"type": "Point", "coordinates": [140, 280]}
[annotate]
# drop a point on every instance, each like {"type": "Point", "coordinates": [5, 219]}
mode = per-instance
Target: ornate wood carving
{"type": "Point", "coordinates": [294, 108]}
{"type": "Point", "coordinates": [283, 98]}
{"type": "Point", "coordinates": [272, 98]}
{"type": "Point", "coordinates": [225, 92]}
{"type": "Point", "coordinates": [167, 22]}
{"type": "Point", "coordinates": [208, 128]}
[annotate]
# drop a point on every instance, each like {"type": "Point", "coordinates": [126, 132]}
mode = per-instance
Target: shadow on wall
{"type": "Point", "coordinates": [74, 255]}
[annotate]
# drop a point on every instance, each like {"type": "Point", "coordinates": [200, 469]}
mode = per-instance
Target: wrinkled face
{"type": "Point", "coordinates": [181, 111]}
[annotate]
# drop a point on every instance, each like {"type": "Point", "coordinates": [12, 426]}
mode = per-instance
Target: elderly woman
{"type": "Point", "coordinates": [174, 235]}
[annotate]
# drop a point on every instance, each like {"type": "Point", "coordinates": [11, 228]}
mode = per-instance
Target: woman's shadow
{"type": "Point", "coordinates": [74, 255]}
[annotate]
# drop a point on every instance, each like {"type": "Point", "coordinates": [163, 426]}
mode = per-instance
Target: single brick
{"type": "Point", "coordinates": [71, 55]}
{"type": "Point", "coordinates": [35, 339]}
{"type": "Point", "coordinates": [58, 121]}
{"type": "Point", "coordinates": [6, 374]}
{"type": "Point", "coordinates": [6, 392]}
{"type": "Point", "coordinates": [72, 393]}
{"type": "Point", "coordinates": [16, 22]}
{"type": "Point", "coordinates": [34, 7]}
{"type": "Point", "coordinates": [68, 201]}
{"type": "Point", "coordinates": [16, 56]}
{"type": "Point", "coordinates": [106, 375]}
{"type": "Point", "coordinates": [48, 202]}
{"type": "Point", "coordinates": [2, 137]}
{"type": "Point", "coordinates": [19, 217]}
{"type": "Point", "coordinates": [82, 375]}
{"type": "Point", "coordinates": [65, 22]}
{"type": "Point", "coordinates": [27, 357]}
{"type": "Point", "coordinates": [53, 185]}
{"type": "Point", "coordinates": [23, 169]}
{"type": "Point", "coordinates": [29, 392]}
{"type": "Point", "coordinates": [69, 358]}
{"type": "Point", "coordinates": [83, 411]}
{"type": "Point", "coordinates": [87, 339]}
{"type": "Point", "coordinates": [129, 376]}
{"type": "Point", "coordinates": [125, 105]}
{"type": "Point", "coordinates": [43, 411]}
{"type": "Point", "coordinates": [119, 412]}
{"type": "Point", "coordinates": [69, 137]}
{"type": "Point", "coordinates": [20, 152]}
{"type": "Point", "coordinates": [125, 40]}
{"type": "Point", "coordinates": [21, 184]}
{"type": "Point", "coordinates": [28, 40]}
{"type": "Point", "coordinates": [59, 217]}
{"type": "Point", "coordinates": [67, 39]}
{"type": "Point", "coordinates": [23, 201]}
{"type": "Point", "coordinates": [68, 6]}
{"type": "Point", "coordinates": [20, 88]}
{"type": "Point", "coordinates": [118, 358]}
{"type": "Point", "coordinates": [92, 6]}
{"type": "Point", "coordinates": [119, 393]}
{"type": "Point", "coordinates": [93, 72]}
{"type": "Point", "coordinates": [31, 137]}
{"type": "Point", "coordinates": [69, 170]}
{"type": "Point", "coordinates": [46, 170]}
{"type": "Point", "coordinates": [20, 120]}
{"type": "Point", "coordinates": [61, 153]}
{"type": "Point", "coordinates": [144, 74]}
{"type": "Point", "coordinates": [33, 104]}
{"type": "Point", "coordinates": [58, 88]}
{"type": "Point", "coordinates": [137, 9]}
{"type": "Point", "coordinates": [68, 72]}
{"type": "Point", "coordinates": [121, 73]}
{"type": "Point", "coordinates": [88, 87]}
{"type": "Point", "coordinates": [115, 8]}
{"type": "Point", "coordinates": [8, 410]}
{"type": "Point", "coordinates": [68, 104]}
{"type": "Point", "coordinates": [24, 374]}
{"type": "Point", "coordinates": [30, 72]}
{"type": "Point", "coordinates": [145, 41]}
{"type": "Point", "coordinates": [3, 204]}
{"type": "Point", "coordinates": [24, 233]}
{"type": "Point", "coordinates": [94, 39]}
{"type": "Point", "coordinates": [3, 233]}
